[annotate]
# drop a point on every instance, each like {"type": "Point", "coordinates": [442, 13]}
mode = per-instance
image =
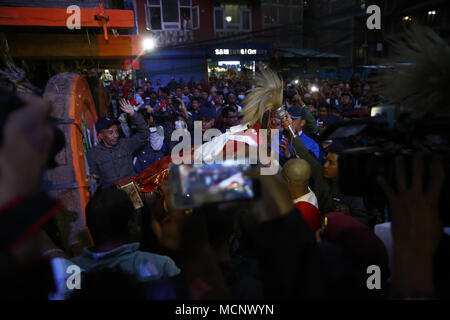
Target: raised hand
{"type": "Point", "coordinates": [286, 122]}
{"type": "Point", "coordinates": [416, 226]}
{"type": "Point", "coordinates": [27, 140]}
{"type": "Point", "coordinates": [182, 109]}
{"type": "Point", "coordinates": [284, 146]}
{"type": "Point", "coordinates": [273, 201]}
{"type": "Point", "coordinates": [126, 107]}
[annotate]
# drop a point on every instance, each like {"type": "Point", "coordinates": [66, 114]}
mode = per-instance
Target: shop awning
{"type": "Point", "coordinates": [305, 53]}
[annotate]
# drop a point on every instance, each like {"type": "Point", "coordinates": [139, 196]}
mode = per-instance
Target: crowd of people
{"type": "Point", "coordinates": [301, 238]}
{"type": "Point", "coordinates": [219, 105]}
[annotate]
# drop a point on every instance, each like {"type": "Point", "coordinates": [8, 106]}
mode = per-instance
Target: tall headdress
{"type": "Point", "coordinates": [422, 84]}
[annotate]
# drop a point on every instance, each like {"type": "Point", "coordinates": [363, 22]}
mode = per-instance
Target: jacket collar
{"type": "Point", "coordinates": [124, 249]}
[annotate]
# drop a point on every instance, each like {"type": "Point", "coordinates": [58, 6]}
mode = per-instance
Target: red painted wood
{"type": "Point", "coordinates": [57, 17]}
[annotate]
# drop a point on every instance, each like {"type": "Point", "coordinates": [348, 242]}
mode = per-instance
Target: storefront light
{"type": "Point", "coordinates": [149, 44]}
{"type": "Point", "coordinates": [229, 63]}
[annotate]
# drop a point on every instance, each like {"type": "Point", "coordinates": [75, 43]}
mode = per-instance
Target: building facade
{"type": "Point", "coordinates": [400, 14]}
{"type": "Point", "coordinates": [332, 26]}
{"type": "Point", "coordinates": [194, 36]}
{"type": "Point", "coordinates": [340, 26]}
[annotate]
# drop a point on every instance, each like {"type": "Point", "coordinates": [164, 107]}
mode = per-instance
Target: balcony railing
{"type": "Point", "coordinates": [173, 37]}
{"type": "Point", "coordinates": [231, 34]}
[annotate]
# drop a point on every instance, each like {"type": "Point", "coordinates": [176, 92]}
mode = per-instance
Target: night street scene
{"type": "Point", "coordinates": [225, 156]}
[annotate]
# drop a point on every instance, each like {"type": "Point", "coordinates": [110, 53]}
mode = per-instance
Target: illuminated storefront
{"type": "Point", "coordinates": [235, 60]}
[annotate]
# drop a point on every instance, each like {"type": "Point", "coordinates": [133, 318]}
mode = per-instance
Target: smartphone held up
{"type": "Point", "coordinates": [195, 185]}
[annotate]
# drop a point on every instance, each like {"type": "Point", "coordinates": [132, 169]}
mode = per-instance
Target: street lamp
{"type": "Point", "coordinates": [228, 19]}
{"type": "Point", "coordinates": [149, 44]}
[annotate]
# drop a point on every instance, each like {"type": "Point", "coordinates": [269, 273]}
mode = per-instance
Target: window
{"type": "Point", "coordinates": [172, 15]}
{"type": "Point", "coordinates": [195, 18]}
{"type": "Point", "coordinates": [285, 15]}
{"type": "Point", "coordinates": [285, 12]}
{"type": "Point", "coordinates": [219, 19]}
{"type": "Point", "coordinates": [232, 17]}
{"type": "Point", "coordinates": [232, 14]}
{"type": "Point", "coordinates": [155, 18]}
{"type": "Point", "coordinates": [360, 52]}
{"type": "Point", "coordinates": [363, 4]}
{"type": "Point", "coordinates": [170, 11]}
{"type": "Point", "coordinates": [270, 14]}
{"type": "Point", "coordinates": [296, 16]}
{"type": "Point", "coordinates": [246, 21]}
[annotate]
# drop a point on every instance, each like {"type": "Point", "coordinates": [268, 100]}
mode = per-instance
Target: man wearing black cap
{"type": "Point", "coordinates": [297, 115]}
{"type": "Point", "coordinates": [112, 159]}
{"type": "Point", "coordinates": [294, 99]}
{"type": "Point", "coordinates": [208, 117]}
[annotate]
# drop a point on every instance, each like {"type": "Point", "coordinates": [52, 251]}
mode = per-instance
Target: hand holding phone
{"type": "Point", "coordinates": [274, 200]}
{"type": "Point", "coordinates": [193, 186]}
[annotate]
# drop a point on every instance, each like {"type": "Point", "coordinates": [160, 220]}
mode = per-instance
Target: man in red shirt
{"type": "Point", "coordinates": [297, 173]}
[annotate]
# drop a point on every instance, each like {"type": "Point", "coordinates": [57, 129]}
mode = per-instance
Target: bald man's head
{"type": "Point", "coordinates": [297, 172]}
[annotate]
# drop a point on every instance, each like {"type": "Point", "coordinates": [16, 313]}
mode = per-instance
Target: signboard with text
{"type": "Point", "coordinates": [249, 51]}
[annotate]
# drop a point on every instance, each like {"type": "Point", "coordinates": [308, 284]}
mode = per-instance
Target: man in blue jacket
{"type": "Point", "coordinates": [298, 116]}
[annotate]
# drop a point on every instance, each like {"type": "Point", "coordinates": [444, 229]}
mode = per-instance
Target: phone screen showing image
{"type": "Point", "coordinates": [195, 185]}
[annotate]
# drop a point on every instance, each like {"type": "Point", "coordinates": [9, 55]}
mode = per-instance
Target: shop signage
{"type": "Point", "coordinates": [252, 52]}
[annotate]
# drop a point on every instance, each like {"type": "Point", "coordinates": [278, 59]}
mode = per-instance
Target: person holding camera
{"type": "Point", "coordinates": [294, 99]}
